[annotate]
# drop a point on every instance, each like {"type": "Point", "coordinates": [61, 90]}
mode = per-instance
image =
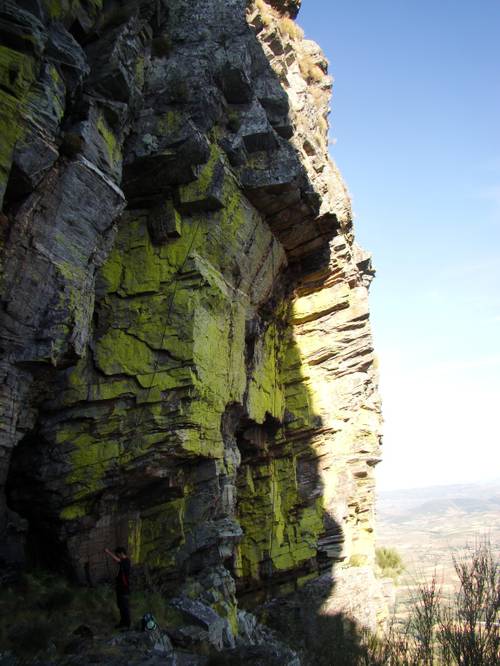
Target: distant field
{"type": "Point", "coordinates": [428, 526]}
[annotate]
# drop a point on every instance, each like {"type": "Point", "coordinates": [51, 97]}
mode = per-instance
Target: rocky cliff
{"type": "Point", "coordinates": [187, 365]}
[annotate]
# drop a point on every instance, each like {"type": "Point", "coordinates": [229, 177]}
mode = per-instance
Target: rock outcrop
{"type": "Point", "coordinates": [187, 365]}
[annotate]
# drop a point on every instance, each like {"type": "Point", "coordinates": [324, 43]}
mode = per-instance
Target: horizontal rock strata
{"type": "Point", "coordinates": [187, 365]}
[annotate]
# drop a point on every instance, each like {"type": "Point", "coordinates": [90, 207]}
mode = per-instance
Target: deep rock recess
{"type": "Point", "coordinates": [187, 364]}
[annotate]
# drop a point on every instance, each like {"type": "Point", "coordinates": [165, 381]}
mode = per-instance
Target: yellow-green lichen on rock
{"type": "Point", "coordinates": [18, 71]}
{"type": "Point", "coordinates": [155, 535]}
{"type": "Point", "coordinates": [265, 389]}
{"type": "Point", "coordinates": [205, 193]}
{"type": "Point", "coordinates": [177, 316]}
{"type": "Point", "coordinates": [89, 458]}
{"type": "Point", "coordinates": [119, 353]}
{"type": "Point", "coordinates": [68, 9]}
{"type": "Point", "coordinates": [277, 529]}
{"type": "Point", "coordinates": [111, 143]}
{"type": "Point", "coordinates": [186, 325]}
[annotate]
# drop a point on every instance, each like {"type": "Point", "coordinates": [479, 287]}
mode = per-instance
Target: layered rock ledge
{"type": "Point", "coordinates": [187, 364]}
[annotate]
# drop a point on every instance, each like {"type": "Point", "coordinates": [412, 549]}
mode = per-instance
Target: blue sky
{"type": "Point", "coordinates": [415, 130]}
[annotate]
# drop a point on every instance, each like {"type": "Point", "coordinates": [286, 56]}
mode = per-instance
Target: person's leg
{"type": "Point", "coordinates": [119, 606]}
{"type": "Point", "coordinates": [119, 603]}
{"type": "Point", "coordinates": [123, 605]}
{"type": "Point", "coordinates": [126, 616]}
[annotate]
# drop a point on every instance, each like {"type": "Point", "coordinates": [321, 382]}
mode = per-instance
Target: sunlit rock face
{"type": "Point", "coordinates": [187, 362]}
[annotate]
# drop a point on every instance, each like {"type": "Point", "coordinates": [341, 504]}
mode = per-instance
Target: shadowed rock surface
{"type": "Point", "coordinates": [187, 364]}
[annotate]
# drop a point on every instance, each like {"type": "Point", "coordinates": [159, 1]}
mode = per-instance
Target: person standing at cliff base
{"type": "Point", "coordinates": [122, 585]}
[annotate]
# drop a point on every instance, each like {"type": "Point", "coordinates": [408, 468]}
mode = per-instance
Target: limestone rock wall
{"type": "Point", "coordinates": [187, 364]}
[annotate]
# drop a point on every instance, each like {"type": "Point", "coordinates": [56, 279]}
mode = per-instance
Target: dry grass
{"type": "Point", "coordinates": [262, 6]}
{"type": "Point", "coordinates": [323, 125]}
{"type": "Point", "coordinates": [310, 70]}
{"type": "Point", "coordinates": [265, 12]}
{"type": "Point", "coordinates": [319, 139]}
{"type": "Point", "coordinates": [290, 28]}
{"type": "Point", "coordinates": [319, 95]}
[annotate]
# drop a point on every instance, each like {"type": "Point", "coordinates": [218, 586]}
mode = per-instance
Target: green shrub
{"type": "Point", "coordinates": [357, 560]}
{"type": "Point", "coordinates": [178, 89]}
{"type": "Point", "coordinates": [42, 609]}
{"type": "Point", "coordinates": [161, 46]}
{"type": "Point", "coordinates": [233, 120]}
{"type": "Point", "coordinates": [389, 563]}
{"type": "Point", "coordinates": [59, 598]}
{"type": "Point", "coordinates": [32, 636]}
{"type": "Point", "coordinates": [153, 602]}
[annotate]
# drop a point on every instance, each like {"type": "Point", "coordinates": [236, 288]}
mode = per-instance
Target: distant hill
{"type": "Point", "coordinates": [438, 500]}
{"type": "Point", "coordinates": [466, 504]}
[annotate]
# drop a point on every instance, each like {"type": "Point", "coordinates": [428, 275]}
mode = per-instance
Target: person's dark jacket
{"type": "Point", "coordinates": [123, 577]}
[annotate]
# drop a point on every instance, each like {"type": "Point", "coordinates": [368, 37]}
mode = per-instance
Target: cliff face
{"type": "Point", "coordinates": [187, 365]}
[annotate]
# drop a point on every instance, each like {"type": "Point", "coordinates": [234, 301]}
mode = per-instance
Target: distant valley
{"type": "Point", "coordinates": [429, 526]}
